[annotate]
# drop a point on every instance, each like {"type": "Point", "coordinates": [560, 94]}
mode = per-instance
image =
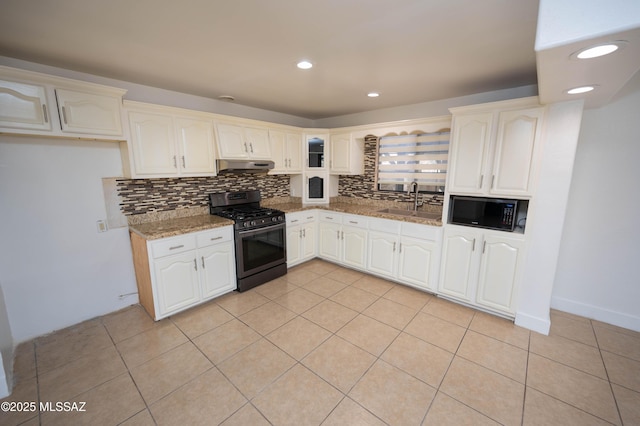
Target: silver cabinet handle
{"type": "Point", "coordinates": [338, 232]}
{"type": "Point", "coordinates": [245, 147]}
{"type": "Point", "coordinates": [400, 249]}
{"type": "Point", "coordinates": [202, 262]}
{"type": "Point", "coordinates": [183, 162]}
{"type": "Point", "coordinates": [473, 248]}
{"type": "Point", "coordinates": [216, 238]}
{"type": "Point", "coordinates": [304, 232]}
{"type": "Point", "coordinates": [300, 233]}
{"type": "Point", "coordinates": [195, 264]}
{"type": "Point", "coordinates": [64, 115]}
{"type": "Point", "coordinates": [309, 217]}
{"type": "Point", "coordinates": [394, 246]}
{"type": "Point", "coordinates": [484, 245]}
{"type": "Point", "coordinates": [44, 111]}
{"type": "Point", "coordinates": [481, 180]}
{"type": "Point", "coordinates": [175, 163]}
{"type": "Point", "coordinates": [294, 220]}
{"type": "Point", "coordinates": [493, 178]}
{"type": "Point", "coordinates": [251, 146]}
{"type": "Point", "coordinates": [176, 247]}
{"type": "Point", "coordinates": [353, 221]}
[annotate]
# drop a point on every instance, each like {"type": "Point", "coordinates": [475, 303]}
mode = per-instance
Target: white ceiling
{"type": "Point", "coordinates": [411, 51]}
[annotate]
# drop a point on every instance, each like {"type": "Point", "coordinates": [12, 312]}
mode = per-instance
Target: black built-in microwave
{"type": "Point", "coordinates": [491, 213]}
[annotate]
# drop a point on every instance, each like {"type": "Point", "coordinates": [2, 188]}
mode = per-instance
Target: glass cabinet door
{"type": "Point", "coordinates": [316, 187]}
{"type": "Point", "coordinates": [316, 152]}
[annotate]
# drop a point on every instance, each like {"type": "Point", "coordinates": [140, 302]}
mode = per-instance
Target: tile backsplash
{"type": "Point", "coordinates": [141, 196]}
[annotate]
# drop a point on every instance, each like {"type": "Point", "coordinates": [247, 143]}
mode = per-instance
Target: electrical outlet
{"type": "Point", "coordinates": [102, 226]}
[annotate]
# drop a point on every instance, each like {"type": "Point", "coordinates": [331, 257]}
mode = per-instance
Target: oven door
{"type": "Point", "coordinates": [260, 249]}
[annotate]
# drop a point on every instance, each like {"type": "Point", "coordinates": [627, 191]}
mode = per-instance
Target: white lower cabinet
{"type": "Point", "coordinates": [406, 252]}
{"type": "Point", "coordinates": [481, 267]}
{"type": "Point", "coordinates": [301, 237]}
{"type": "Point", "coordinates": [176, 273]}
{"type": "Point", "coordinates": [342, 238]}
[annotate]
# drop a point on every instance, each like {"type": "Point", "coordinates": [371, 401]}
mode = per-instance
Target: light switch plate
{"type": "Point", "coordinates": [102, 226]}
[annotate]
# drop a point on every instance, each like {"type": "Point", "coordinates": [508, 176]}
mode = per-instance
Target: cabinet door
{"type": "Point", "coordinates": [381, 254]}
{"type": "Point", "coordinates": [294, 152]}
{"type": "Point", "coordinates": [518, 133]}
{"type": "Point", "coordinates": [501, 258]}
{"type": "Point", "coordinates": [459, 263]}
{"type": "Point", "coordinates": [329, 241]}
{"type": "Point", "coordinates": [23, 106]}
{"type": "Point", "coordinates": [231, 142]}
{"type": "Point", "coordinates": [339, 153]}
{"type": "Point", "coordinates": [308, 249]}
{"type": "Point", "coordinates": [415, 262]}
{"type": "Point", "coordinates": [195, 142]}
{"type": "Point", "coordinates": [354, 242]}
{"type": "Point", "coordinates": [176, 282]}
{"type": "Point", "coordinates": [153, 144]}
{"type": "Point", "coordinates": [89, 113]}
{"type": "Point", "coordinates": [278, 142]}
{"type": "Point", "coordinates": [468, 153]}
{"type": "Point", "coordinates": [217, 269]}
{"type": "Point", "coordinates": [294, 244]}
{"type": "Point", "coordinates": [258, 143]}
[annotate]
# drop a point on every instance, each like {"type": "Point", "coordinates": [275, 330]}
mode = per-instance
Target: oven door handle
{"type": "Point", "coordinates": [260, 230]}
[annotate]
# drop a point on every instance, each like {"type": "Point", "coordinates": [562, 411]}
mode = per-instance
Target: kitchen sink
{"type": "Point", "coordinates": [412, 213]}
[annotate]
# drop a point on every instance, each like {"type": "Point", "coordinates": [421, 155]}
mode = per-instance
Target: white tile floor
{"type": "Point", "coordinates": [331, 346]}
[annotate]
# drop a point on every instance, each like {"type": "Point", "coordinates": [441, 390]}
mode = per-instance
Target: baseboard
{"type": "Point", "coordinates": [540, 325]}
{"type": "Point", "coordinates": [619, 319]}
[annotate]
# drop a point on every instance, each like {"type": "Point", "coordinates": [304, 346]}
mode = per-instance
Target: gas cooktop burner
{"type": "Point", "coordinates": [237, 213]}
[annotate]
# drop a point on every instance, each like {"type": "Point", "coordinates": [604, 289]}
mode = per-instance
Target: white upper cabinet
{"type": "Point", "coordinates": [195, 145]}
{"type": "Point", "coordinates": [239, 142]}
{"type": "Point", "coordinates": [23, 106]}
{"type": "Point", "coordinates": [494, 152]}
{"type": "Point", "coordinates": [167, 142]}
{"type": "Point", "coordinates": [346, 155]}
{"type": "Point", "coordinates": [83, 112]}
{"type": "Point", "coordinates": [153, 144]}
{"type": "Point", "coordinates": [286, 151]}
{"type": "Point", "coordinates": [39, 104]}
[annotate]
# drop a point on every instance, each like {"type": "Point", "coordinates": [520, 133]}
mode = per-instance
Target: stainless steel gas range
{"type": "Point", "coordinates": [260, 236]}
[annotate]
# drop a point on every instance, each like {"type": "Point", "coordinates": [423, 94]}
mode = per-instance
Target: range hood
{"type": "Point", "coordinates": [244, 166]}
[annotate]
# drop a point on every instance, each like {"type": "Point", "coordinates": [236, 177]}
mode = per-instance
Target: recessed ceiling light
{"type": "Point", "coordinates": [598, 50]}
{"type": "Point", "coordinates": [304, 65]}
{"type": "Point", "coordinates": [373, 94]}
{"type": "Point", "coordinates": [581, 89]}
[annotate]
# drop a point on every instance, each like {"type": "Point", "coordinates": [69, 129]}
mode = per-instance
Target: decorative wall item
{"type": "Point", "coordinates": [140, 196]}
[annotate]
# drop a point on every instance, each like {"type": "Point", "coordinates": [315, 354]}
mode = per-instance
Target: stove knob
{"type": "Point", "coordinates": [274, 219]}
{"type": "Point", "coordinates": [253, 223]}
{"type": "Point", "coordinates": [246, 224]}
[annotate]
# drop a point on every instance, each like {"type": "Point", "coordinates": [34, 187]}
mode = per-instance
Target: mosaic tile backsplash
{"type": "Point", "coordinates": [141, 196]}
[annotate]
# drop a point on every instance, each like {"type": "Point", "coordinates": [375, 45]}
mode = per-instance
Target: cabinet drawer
{"type": "Point", "coordinates": [300, 217]}
{"type": "Point", "coordinates": [355, 220]}
{"type": "Point", "coordinates": [424, 232]}
{"type": "Point", "coordinates": [384, 225]}
{"type": "Point", "coordinates": [331, 217]}
{"type": "Point", "coordinates": [173, 245]}
{"type": "Point", "coordinates": [214, 236]}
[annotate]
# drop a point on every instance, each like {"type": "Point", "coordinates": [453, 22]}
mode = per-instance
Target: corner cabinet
{"type": "Point", "coordinates": [494, 149]}
{"type": "Point", "coordinates": [242, 142]}
{"type": "Point", "coordinates": [38, 104]}
{"type": "Point", "coordinates": [167, 142]}
{"type": "Point", "coordinates": [482, 267]}
{"type": "Point", "coordinates": [179, 272]}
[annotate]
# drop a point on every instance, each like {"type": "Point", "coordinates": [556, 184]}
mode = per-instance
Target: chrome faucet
{"type": "Point", "coordinates": [413, 187]}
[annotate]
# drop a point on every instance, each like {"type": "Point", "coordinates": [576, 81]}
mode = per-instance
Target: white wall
{"type": "Point", "coordinates": [56, 269]}
{"type": "Point", "coordinates": [6, 349]}
{"type": "Point", "coordinates": [598, 273]}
